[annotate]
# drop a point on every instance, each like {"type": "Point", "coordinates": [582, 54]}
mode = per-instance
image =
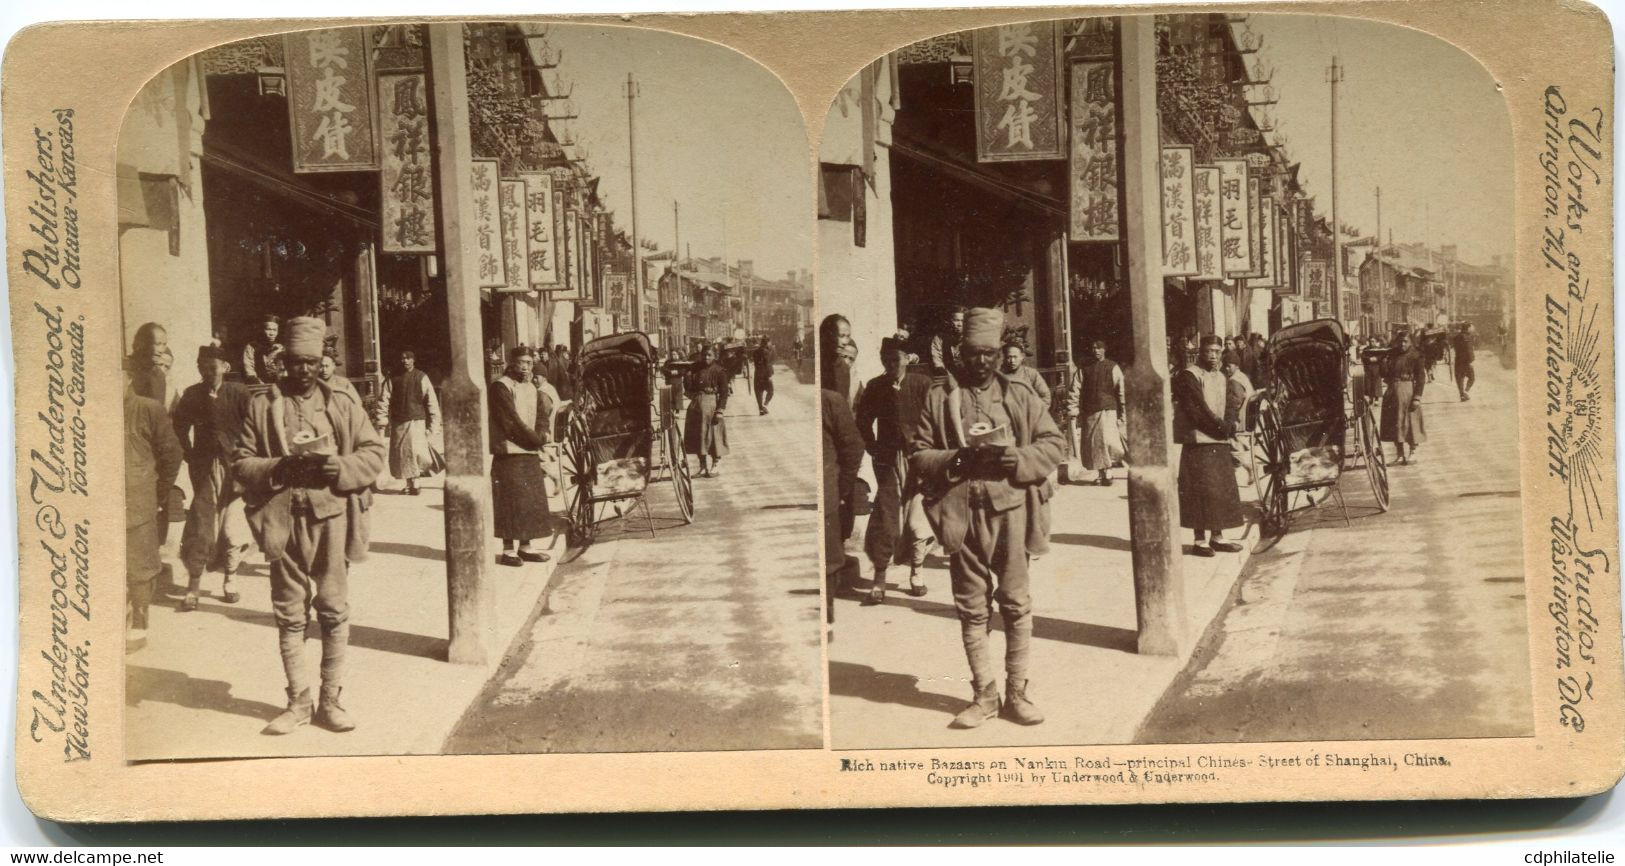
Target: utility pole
{"type": "Point", "coordinates": [677, 275]}
{"type": "Point", "coordinates": [1153, 506]}
{"type": "Point", "coordinates": [1382, 280]}
{"type": "Point", "coordinates": [632, 163]}
{"type": "Point", "coordinates": [1335, 75]}
{"type": "Point", "coordinates": [471, 601]}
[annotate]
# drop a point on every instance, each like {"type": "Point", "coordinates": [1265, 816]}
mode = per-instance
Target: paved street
{"type": "Point", "coordinates": [1410, 624]}
{"type": "Point", "coordinates": [705, 637]}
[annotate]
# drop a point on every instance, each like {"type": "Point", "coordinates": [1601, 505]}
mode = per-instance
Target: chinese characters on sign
{"type": "Point", "coordinates": [487, 223]}
{"type": "Point", "coordinates": [569, 287]}
{"type": "Point", "coordinates": [1268, 280]}
{"type": "Point", "coordinates": [330, 100]}
{"type": "Point", "coordinates": [407, 188]}
{"type": "Point", "coordinates": [1018, 92]}
{"type": "Point", "coordinates": [1093, 169]}
{"type": "Point", "coordinates": [1206, 183]}
{"type": "Point", "coordinates": [1255, 205]}
{"type": "Point", "coordinates": [541, 245]}
{"type": "Point", "coordinates": [1314, 280]}
{"type": "Point", "coordinates": [515, 242]}
{"type": "Point", "coordinates": [1178, 226]}
{"type": "Point", "coordinates": [1236, 218]}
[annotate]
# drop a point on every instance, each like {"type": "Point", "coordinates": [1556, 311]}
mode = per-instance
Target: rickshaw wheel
{"type": "Point", "coordinates": [1376, 465]}
{"type": "Point", "coordinates": [579, 472]}
{"type": "Point", "coordinates": [682, 484]}
{"type": "Point", "coordinates": [1272, 498]}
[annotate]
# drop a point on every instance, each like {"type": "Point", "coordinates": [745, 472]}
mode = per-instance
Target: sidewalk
{"type": "Point", "coordinates": [208, 681]}
{"type": "Point", "coordinates": [898, 672]}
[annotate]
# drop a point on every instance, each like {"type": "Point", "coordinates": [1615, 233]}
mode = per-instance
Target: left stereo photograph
{"type": "Point", "coordinates": [469, 402]}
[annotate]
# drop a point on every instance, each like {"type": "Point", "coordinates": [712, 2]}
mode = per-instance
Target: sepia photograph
{"type": "Point", "coordinates": [469, 400]}
{"type": "Point", "coordinates": [1167, 366]}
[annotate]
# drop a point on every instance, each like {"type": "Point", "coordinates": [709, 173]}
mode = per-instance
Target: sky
{"type": "Point", "coordinates": [715, 132]}
{"type": "Point", "coordinates": [1416, 116]}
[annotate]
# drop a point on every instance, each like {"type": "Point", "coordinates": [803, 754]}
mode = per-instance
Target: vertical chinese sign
{"type": "Point", "coordinates": [482, 184]}
{"type": "Point", "coordinates": [1093, 169]}
{"type": "Point", "coordinates": [330, 100]}
{"type": "Point", "coordinates": [569, 288]}
{"type": "Point", "coordinates": [1178, 211]}
{"type": "Point", "coordinates": [541, 241]}
{"type": "Point", "coordinates": [1267, 253]}
{"type": "Point", "coordinates": [1017, 71]}
{"type": "Point", "coordinates": [1314, 280]}
{"type": "Point", "coordinates": [1236, 217]}
{"type": "Point", "coordinates": [406, 186]}
{"type": "Point", "coordinates": [1205, 183]}
{"type": "Point", "coordinates": [515, 243]}
{"type": "Point", "coordinates": [1255, 207]}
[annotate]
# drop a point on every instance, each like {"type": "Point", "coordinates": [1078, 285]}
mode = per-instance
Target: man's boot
{"type": "Point", "coordinates": [331, 714]}
{"type": "Point", "coordinates": [297, 714]}
{"type": "Point", "coordinates": [983, 707]}
{"type": "Point", "coordinates": [1017, 707]}
{"type": "Point", "coordinates": [292, 644]}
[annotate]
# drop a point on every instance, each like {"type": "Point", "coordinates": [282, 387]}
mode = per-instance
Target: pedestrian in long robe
{"type": "Point", "coordinates": [519, 431]}
{"type": "Point", "coordinates": [705, 432]}
{"type": "Point", "coordinates": [1209, 502]}
{"type": "Point", "coordinates": [152, 459]}
{"type": "Point", "coordinates": [412, 412]}
{"type": "Point", "coordinates": [1097, 401]}
{"type": "Point", "coordinates": [987, 498]}
{"type": "Point", "coordinates": [1462, 346]}
{"type": "Point", "coordinates": [305, 460]}
{"type": "Point", "coordinates": [1405, 375]}
{"type": "Point", "coordinates": [843, 456]}
{"type": "Point", "coordinates": [887, 410]}
{"type": "Point", "coordinates": [207, 421]}
{"type": "Point", "coordinates": [761, 365]}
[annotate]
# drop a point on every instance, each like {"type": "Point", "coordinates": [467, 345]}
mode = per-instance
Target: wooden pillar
{"type": "Point", "coordinates": [1154, 533]}
{"type": "Point", "coordinates": [462, 400]}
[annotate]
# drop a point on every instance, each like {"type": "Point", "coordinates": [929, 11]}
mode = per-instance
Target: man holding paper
{"type": "Point", "coordinates": [306, 456]}
{"type": "Point", "coordinates": [983, 453]}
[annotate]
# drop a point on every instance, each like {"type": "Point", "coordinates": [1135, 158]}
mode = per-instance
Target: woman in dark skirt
{"type": "Point", "coordinates": [1405, 372]}
{"type": "Point", "coordinates": [704, 433]}
{"type": "Point", "coordinates": [1208, 500]}
{"type": "Point", "coordinates": [519, 413]}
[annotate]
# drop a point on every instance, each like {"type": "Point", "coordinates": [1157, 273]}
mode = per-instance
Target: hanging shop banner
{"type": "Point", "coordinates": [1093, 166]}
{"type": "Point", "coordinates": [541, 252]}
{"type": "Point", "coordinates": [1236, 217]}
{"type": "Point", "coordinates": [406, 187]}
{"type": "Point", "coordinates": [482, 188]}
{"type": "Point", "coordinates": [1267, 280]}
{"type": "Point", "coordinates": [1255, 206]}
{"type": "Point", "coordinates": [1178, 213]}
{"type": "Point", "coordinates": [1286, 270]}
{"type": "Point", "coordinates": [569, 287]}
{"type": "Point", "coordinates": [1017, 72]}
{"type": "Point", "coordinates": [1314, 280]}
{"type": "Point", "coordinates": [330, 99]}
{"type": "Point", "coordinates": [515, 236]}
{"type": "Point", "coordinates": [592, 283]}
{"type": "Point", "coordinates": [1205, 183]}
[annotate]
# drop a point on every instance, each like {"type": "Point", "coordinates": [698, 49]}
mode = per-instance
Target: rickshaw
{"type": "Point", "coordinates": [621, 436]}
{"type": "Point", "coordinates": [1313, 424]}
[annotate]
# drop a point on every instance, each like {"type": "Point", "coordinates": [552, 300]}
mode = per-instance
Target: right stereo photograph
{"type": "Point", "coordinates": [1167, 388]}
